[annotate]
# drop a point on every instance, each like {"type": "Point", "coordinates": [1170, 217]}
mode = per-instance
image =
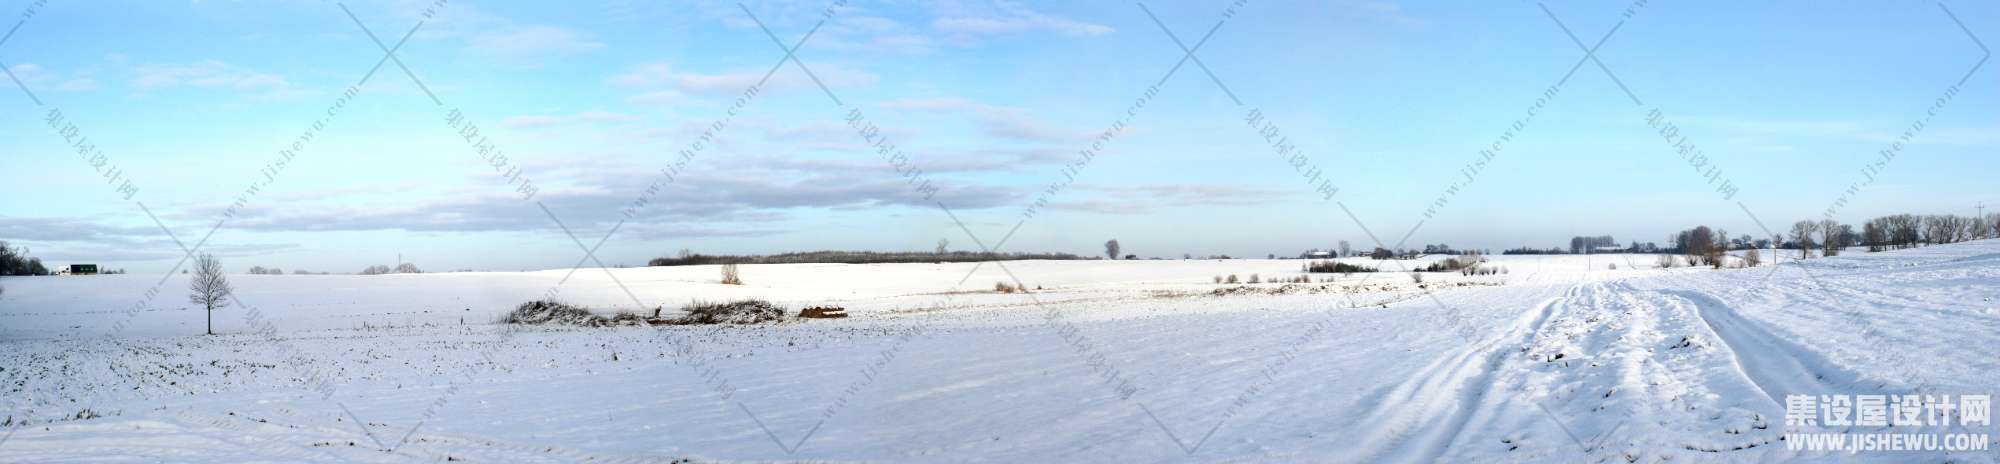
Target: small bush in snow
{"type": "Point", "coordinates": [1468, 260]}
{"type": "Point", "coordinates": [823, 312]}
{"type": "Point", "coordinates": [1231, 279]}
{"type": "Point", "coordinates": [730, 276]}
{"type": "Point", "coordinates": [1254, 279]}
{"type": "Point", "coordinates": [1003, 287]}
{"type": "Point", "coordinates": [1482, 270]}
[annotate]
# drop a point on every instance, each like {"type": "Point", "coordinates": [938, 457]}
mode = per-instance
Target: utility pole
{"type": "Point", "coordinates": [1982, 216]}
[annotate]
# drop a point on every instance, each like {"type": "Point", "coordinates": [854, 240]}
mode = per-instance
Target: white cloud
{"type": "Point", "coordinates": [1009, 18]}
{"type": "Point", "coordinates": [532, 42]}
{"type": "Point", "coordinates": [213, 74]}
{"type": "Point", "coordinates": [38, 78]}
{"type": "Point", "coordinates": [1156, 197]}
{"type": "Point", "coordinates": [998, 121]}
{"type": "Point", "coordinates": [730, 83]}
{"type": "Point", "coordinates": [587, 117]}
{"type": "Point", "coordinates": [873, 34]}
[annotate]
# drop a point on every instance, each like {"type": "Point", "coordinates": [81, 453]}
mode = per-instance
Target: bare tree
{"type": "Point", "coordinates": [1875, 233]}
{"type": "Point", "coordinates": [1701, 246]}
{"type": "Point", "coordinates": [1802, 236]}
{"type": "Point", "coordinates": [209, 288]}
{"type": "Point", "coordinates": [1111, 249]}
{"type": "Point", "coordinates": [1905, 230]}
{"type": "Point", "coordinates": [1829, 237]}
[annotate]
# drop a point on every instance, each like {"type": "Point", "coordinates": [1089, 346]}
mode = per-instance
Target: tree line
{"type": "Point", "coordinates": [16, 262]}
{"type": "Point", "coordinates": [688, 258]}
{"type": "Point", "coordinates": [1705, 246]}
{"type": "Point", "coordinates": [1829, 237]}
{"type": "Point", "coordinates": [1907, 230]}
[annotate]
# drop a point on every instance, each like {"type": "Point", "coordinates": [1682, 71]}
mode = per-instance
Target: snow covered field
{"type": "Point", "coordinates": [1562, 358]}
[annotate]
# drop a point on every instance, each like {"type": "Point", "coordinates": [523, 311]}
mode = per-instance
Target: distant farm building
{"type": "Point", "coordinates": [83, 269]}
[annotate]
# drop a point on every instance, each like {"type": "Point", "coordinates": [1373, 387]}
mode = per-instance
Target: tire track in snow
{"type": "Point", "coordinates": [1776, 366]}
{"type": "Point", "coordinates": [1428, 411]}
{"type": "Point", "coordinates": [1600, 378]}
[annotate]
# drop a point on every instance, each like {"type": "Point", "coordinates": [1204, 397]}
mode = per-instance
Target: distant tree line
{"type": "Point", "coordinates": [1532, 251]}
{"type": "Point", "coordinates": [1704, 246]}
{"type": "Point", "coordinates": [1907, 230]}
{"type": "Point", "coordinates": [405, 268]}
{"type": "Point", "coordinates": [686, 258]}
{"type": "Point", "coordinates": [1589, 245]}
{"type": "Point", "coordinates": [1581, 245]}
{"type": "Point", "coordinates": [16, 262]}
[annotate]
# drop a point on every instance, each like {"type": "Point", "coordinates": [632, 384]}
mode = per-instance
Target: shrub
{"type": "Point", "coordinates": [1231, 279]}
{"type": "Point", "coordinates": [1218, 279]}
{"type": "Point", "coordinates": [1417, 277]}
{"type": "Point", "coordinates": [1669, 261]}
{"type": "Point", "coordinates": [688, 258]}
{"type": "Point", "coordinates": [1482, 270]}
{"type": "Point", "coordinates": [551, 312]}
{"type": "Point", "coordinates": [1469, 260]}
{"type": "Point", "coordinates": [823, 312]}
{"type": "Point", "coordinates": [729, 275]}
{"type": "Point", "coordinates": [1751, 258]}
{"type": "Point", "coordinates": [1254, 279]}
{"type": "Point", "coordinates": [735, 312]}
{"type": "Point", "coordinates": [1003, 287]}
{"type": "Point", "coordinates": [624, 318]}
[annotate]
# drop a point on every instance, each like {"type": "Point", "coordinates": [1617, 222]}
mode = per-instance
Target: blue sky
{"type": "Point", "coordinates": [591, 99]}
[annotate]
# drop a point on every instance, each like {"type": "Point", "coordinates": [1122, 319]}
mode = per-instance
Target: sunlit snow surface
{"type": "Point", "coordinates": [1560, 359]}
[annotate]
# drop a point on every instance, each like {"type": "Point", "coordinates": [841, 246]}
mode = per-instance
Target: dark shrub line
{"type": "Point", "coordinates": [854, 257]}
{"type": "Point", "coordinates": [740, 312]}
{"type": "Point", "coordinates": [1335, 266]}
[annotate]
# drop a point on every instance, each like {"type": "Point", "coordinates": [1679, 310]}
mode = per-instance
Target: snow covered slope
{"type": "Point", "coordinates": [1561, 359]}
